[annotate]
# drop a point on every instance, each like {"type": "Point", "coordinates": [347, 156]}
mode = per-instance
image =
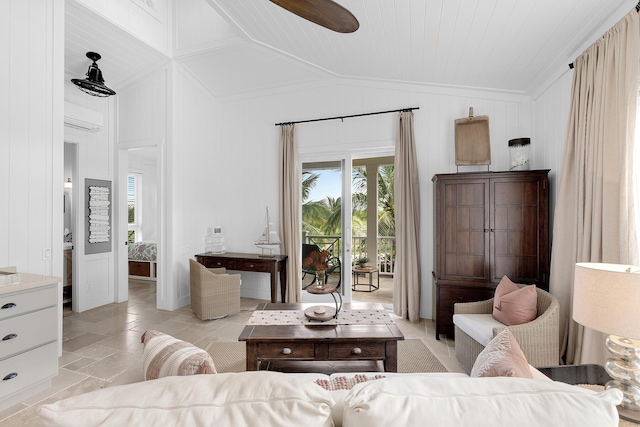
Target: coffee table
{"type": "Point", "coordinates": [321, 347]}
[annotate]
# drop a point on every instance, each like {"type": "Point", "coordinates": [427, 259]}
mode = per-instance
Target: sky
{"type": "Point", "coordinates": [327, 185]}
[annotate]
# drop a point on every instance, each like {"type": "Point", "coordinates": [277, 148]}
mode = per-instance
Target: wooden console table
{"type": "Point", "coordinates": [251, 262]}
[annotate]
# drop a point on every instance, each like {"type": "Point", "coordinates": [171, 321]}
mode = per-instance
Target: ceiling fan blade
{"type": "Point", "coordinates": [326, 13]}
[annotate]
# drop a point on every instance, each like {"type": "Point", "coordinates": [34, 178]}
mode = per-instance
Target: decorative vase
{"type": "Point", "coordinates": [320, 279]}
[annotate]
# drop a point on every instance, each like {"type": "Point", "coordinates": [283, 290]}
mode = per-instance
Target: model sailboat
{"type": "Point", "coordinates": [269, 239]}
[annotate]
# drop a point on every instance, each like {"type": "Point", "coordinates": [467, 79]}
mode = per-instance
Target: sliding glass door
{"type": "Point", "coordinates": [326, 225]}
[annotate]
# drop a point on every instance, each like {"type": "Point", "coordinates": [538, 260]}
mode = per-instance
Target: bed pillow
{"type": "Point", "coordinates": [502, 357]}
{"type": "Point", "coordinates": [514, 305]}
{"type": "Point", "coordinates": [164, 356]}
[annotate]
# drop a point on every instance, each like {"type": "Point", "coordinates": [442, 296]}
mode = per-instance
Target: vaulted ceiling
{"type": "Point", "coordinates": [513, 45]}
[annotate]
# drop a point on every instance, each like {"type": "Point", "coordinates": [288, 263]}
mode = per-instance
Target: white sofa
{"type": "Point", "coordinates": [277, 399]}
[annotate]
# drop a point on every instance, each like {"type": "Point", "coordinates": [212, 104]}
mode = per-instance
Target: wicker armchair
{"type": "Point", "coordinates": [538, 339]}
{"type": "Point", "coordinates": [214, 294]}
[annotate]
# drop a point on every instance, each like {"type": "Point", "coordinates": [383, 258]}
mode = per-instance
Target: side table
{"type": "Point", "coordinates": [313, 313]}
{"type": "Point", "coordinates": [584, 374]}
{"type": "Point", "coordinates": [362, 271]}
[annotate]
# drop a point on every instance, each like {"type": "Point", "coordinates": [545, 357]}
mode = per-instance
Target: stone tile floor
{"type": "Point", "coordinates": [102, 346]}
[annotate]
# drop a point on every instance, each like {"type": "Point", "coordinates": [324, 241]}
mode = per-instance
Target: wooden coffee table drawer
{"type": "Point", "coordinates": [286, 350]}
{"type": "Point", "coordinates": [344, 351]}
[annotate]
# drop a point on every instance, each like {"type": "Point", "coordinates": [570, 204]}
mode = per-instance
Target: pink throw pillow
{"type": "Point", "coordinates": [502, 357]}
{"type": "Point", "coordinates": [514, 305]}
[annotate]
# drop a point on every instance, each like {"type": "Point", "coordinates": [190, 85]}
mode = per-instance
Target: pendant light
{"type": "Point", "coordinates": [94, 83]}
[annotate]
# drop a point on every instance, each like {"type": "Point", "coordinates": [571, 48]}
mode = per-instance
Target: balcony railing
{"type": "Point", "coordinates": [333, 244]}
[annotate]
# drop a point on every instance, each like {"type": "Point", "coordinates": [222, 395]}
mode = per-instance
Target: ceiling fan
{"type": "Point", "coordinates": [326, 13]}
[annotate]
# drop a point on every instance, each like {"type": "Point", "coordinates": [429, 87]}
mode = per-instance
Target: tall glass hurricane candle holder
{"type": "Point", "coordinates": [519, 154]}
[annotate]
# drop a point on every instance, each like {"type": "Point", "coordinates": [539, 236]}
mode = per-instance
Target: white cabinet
{"type": "Point", "coordinates": [29, 334]}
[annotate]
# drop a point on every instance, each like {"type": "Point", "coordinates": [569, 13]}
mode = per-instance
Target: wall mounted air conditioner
{"type": "Point", "coordinates": [78, 117]}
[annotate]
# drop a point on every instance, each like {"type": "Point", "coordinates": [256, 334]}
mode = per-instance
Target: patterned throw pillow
{"type": "Point", "coordinates": [502, 357]}
{"type": "Point", "coordinates": [346, 383]}
{"type": "Point", "coordinates": [164, 356]}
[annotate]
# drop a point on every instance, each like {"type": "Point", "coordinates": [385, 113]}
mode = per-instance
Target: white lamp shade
{"type": "Point", "coordinates": [606, 297]}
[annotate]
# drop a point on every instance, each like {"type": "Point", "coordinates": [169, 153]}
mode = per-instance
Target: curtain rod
{"type": "Point", "coordinates": [348, 117]}
{"type": "Point", "coordinates": [637, 10]}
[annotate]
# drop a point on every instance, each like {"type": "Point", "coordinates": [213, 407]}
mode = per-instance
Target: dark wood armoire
{"type": "Point", "coordinates": [486, 225]}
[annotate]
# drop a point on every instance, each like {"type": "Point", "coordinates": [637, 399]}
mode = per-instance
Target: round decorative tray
{"type": "Point", "coordinates": [312, 289]}
{"type": "Point", "coordinates": [329, 313]}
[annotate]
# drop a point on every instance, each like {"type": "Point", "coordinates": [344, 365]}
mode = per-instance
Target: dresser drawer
{"type": "Point", "coordinates": [21, 333]}
{"type": "Point", "coordinates": [344, 351]}
{"type": "Point", "coordinates": [24, 302]}
{"type": "Point", "coordinates": [25, 369]}
{"type": "Point", "coordinates": [286, 350]}
{"type": "Point", "coordinates": [209, 262]}
{"type": "Point", "coordinates": [261, 267]}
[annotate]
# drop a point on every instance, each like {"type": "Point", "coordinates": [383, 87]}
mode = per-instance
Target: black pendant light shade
{"type": "Point", "coordinates": [94, 83]}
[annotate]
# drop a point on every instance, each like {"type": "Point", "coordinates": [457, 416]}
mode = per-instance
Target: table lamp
{"type": "Point", "coordinates": [606, 297]}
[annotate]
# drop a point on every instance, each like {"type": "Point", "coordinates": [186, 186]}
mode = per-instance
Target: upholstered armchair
{"type": "Point", "coordinates": [538, 339]}
{"type": "Point", "coordinates": [214, 293]}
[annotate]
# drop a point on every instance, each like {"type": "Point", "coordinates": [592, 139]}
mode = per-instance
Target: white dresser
{"type": "Point", "coordinates": [29, 334]}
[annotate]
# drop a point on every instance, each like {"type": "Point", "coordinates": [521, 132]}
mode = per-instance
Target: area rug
{"type": "Point", "coordinates": [413, 356]}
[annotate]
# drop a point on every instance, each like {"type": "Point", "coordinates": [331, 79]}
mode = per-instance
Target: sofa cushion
{"type": "Point", "coordinates": [477, 326]}
{"type": "Point", "coordinates": [502, 357]}
{"type": "Point", "coordinates": [164, 355]}
{"type": "Point", "coordinates": [234, 399]}
{"type": "Point", "coordinates": [514, 305]}
{"type": "Point", "coordinates": [471, 402]}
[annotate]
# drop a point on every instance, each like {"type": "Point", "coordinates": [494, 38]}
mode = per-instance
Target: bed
{"type": "Point", "coordinates": [143, 260]}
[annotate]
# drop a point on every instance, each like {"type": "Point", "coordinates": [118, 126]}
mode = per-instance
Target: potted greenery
{"type": "Point", "coordinates": [362, 261]}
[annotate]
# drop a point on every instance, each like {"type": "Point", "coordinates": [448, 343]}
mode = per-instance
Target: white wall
{"type": "Point", "coordinates": [31, 143]}
{"type": "Point", "coordinates": [246, 153]}
{"type": "Point", "coordinates": [196, 178]}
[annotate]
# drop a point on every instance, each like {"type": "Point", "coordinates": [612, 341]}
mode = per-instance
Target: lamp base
{"type": "Point", "coordinates": [624, 370]}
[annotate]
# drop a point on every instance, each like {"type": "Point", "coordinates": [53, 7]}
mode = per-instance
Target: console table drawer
{"type": "Point", "coordinates": [286, 350]}
{"type": "Point", "coordinates": [260, 267]}
{"type": "Point", "coordinates": [356, 350]}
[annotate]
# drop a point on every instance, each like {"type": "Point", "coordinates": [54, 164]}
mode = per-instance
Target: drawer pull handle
{"type": "Point", "coordinates": [356, 350]}
{"type": "Point", "coordinates": [286, 350]}
{"type": "Point", "coordinates": [8, 305]}
{"type": "Point", "coordinates": [9, 337]}
{"type": "Point", "coordinates": [250, 265]}
{"type": "Point", "coordinates": [10, 376]}
{"type": "Point", "coordinates": [218, 263]}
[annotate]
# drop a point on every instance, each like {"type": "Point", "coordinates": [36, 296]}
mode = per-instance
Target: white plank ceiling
{"type": "Point", "coordinates": [510, 45]}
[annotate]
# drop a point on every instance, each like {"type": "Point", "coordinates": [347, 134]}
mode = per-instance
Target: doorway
{"type": "Point", "coordinates": [69, 302]}
{"type": "Point", "coordinates": [139, 219]}
{"type": "Point", "coordinates": [348, 210]}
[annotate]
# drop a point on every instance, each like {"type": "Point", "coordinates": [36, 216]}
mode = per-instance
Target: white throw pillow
{"type": "Point", "coordinates": [234, 399]}
{"type": "Point", "coordinates": [478, 402]}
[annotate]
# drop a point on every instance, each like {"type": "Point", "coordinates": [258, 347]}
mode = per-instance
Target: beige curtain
{"type": "Point", "coordinates": [593, 218]}
{"type": "Point", "coordinates": [290, 210]}
{"type": "Point", "coordinates": [406, 279]}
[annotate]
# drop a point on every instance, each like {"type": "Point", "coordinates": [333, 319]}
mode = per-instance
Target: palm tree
{"type": "Point", "coordinates": [386, 210]}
